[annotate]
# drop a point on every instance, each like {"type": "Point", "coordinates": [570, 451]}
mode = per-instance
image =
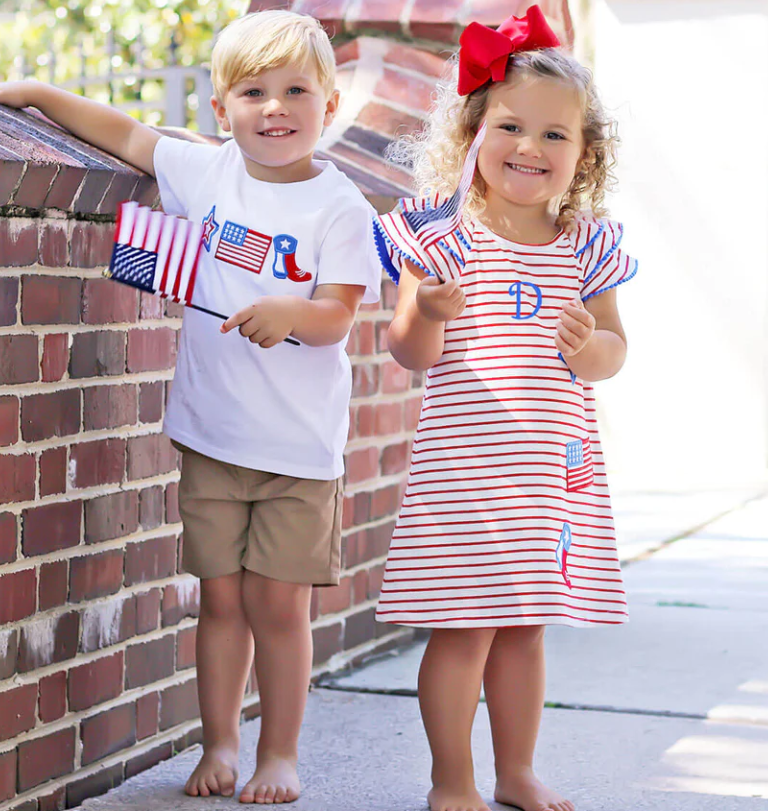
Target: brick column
{"type": "Point", "coordinates": [97, 619]}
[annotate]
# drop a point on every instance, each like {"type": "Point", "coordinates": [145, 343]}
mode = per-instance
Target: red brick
{"type": "Point", "coordinates": [53, 697]}
{"type": "Point", "coordinates": [47, 415]}
{"type": "Point", "coordinates": [150, 560]}
{"type": "Point", "coordinates": [53, 250]}
{"type": "Point", "coordinates": [381, 15]}
{"type": "Point", "coordinates": [95, 682]}
{"type": "Point", "coordinates": [53, 471]}
{"type": "Point", "coordinates": [50, 300]}
{"type": "Point", "coordinates": [44, 758]}
{"type": "Point", "coordinates": [147, 760]}
{"type": "Point", "coordinates": [365, 379]}
{"type": "Point", "coordinates": [178, 704]}
{"type": "Point", "coordinates": [148, 611]}
{"type": "Point", "coordinates": [102, 781]}
{"type": "Point", "coordinates": [9, 649]}
{"type": "Point", "coordinates": [362, 465]}
{"type": "Point", "coordinates": [147, 715]}
{"type": "Point", "coordinates": [9, 299]}
{"type": "Point", "coordinates": [412, 412]}
{"type": "Point", "coordinates": [361, 508]}
{"type": "Point", "coordinates": [7, 775]}
{"type": "Point", "coordinates": [8, 537]}
{"type": "Point", "coordinates": [386, 120]}
{"type": "Point", "coordinates": [149, 662]}
{"type": "Point", "coordinates": [150, 455]}
{"type": "Point", "coordinates": [186, 648]}
{"type": "Point", "coordinates": [385, 501]}
{"type": "Point", "coordinates": [382, 330]}
{"type": "Point", "coordinates": [18, 592]}
{"type": "Point", "coordinates": [334, 599]}
{"type": "Point", "coordinates": [389, 418]}
{"type": "Point", "coordinates": [377, 540]}
{"type": "Point", "coordinates": [106, 302]}
{"type": "Point", "coordinates": [396, 379]}
{"type": "Point", "coordinates": [180, 600]}
{"type": "Point", "coordinates": [172, 503]}
{"type": "Point", "coordinates": [405, 89]}
{"type": "Point", "coordinates": [50, 527]}
{"type": "Point", "coordinates": [17, 711]}
{"type": "Point", "coordinates": [366, 420]}
{"type": "Point", "coordinates": [359, 628]}
{"type": "Point", "coordinates": [18, 242]}
{"type": "Point", "coordinates": [35, 648]}
{"type": "Point", "coordinates": [151, 506]}
{"type": "Point", "coordinates": [151, 350]}
{"type": "Point", "coordinates": [375, 578]}
{"type": "Point", "coordinates": [99, 462]}
{"type": "Point", "coordinates": [97, 354]}
{"type": "Point", "coordinates": [111, 516]}
{"type": "Point", "coordinates": [9, 420]}
{"type": "Point", "coordinates": [108, 623]}
{"type": "Point", "coordinates": [55, 801]}
{"type": "Point", "coordinates": [55, 357]}
{"type": "Point", "coordinates": [35, 184]}
{"type": "Point", "coordinates": [93, 576]}
{"type": "Point", "coordinates": [360, 587]}
{"type": "Point", "coordinates": [394, 459]}
{"type": "Point", "coordinates": [18, 358]}
{"type": "Point", "coordinates": [91, 244]}
{"type": "Point", "coordinates": [151, 307]}
{"type": "Point", "coordinates": [151, 402]}
{"type": "Point", "coordinates": [54, 584]}
{"type": "Point", "coordinates": [110, 406]}
{"type": "Point", "coordinates": [326, 642]}
{"type": "Point", "coordinates": [435, 21]}
{"type": "Point", "coordinates": [108, 732]}
{"type": "Point", "coordinates": [416, 59]}
{"type": "Point", "coordinates": [347, 515]}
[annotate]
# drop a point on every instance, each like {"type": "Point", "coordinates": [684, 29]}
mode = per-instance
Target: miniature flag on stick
{"type": "Point", "coordinates": [157, 253]}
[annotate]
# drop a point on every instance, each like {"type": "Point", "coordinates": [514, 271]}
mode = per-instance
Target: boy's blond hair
{"type": "Point", "coordinates": [270, 39]}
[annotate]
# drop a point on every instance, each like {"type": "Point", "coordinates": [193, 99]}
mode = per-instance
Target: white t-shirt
{"type": "Point", "coordinates": [285, 409]}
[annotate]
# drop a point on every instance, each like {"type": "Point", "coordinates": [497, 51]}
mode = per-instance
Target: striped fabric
{"type": "Point", "coordinates": [489, 533]}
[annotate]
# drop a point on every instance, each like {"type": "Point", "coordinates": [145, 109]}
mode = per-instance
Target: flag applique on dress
{"type": "Point", "coordinates": [156, 252]}
{"type": "Point", "coordinates": [578, 465]}
{"type": "Point", "coordinates": [243, 247]}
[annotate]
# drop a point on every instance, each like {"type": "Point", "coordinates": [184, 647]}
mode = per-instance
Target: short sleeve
{"type": "Point", "coordinates": [178, 166]}
{"type": "Point", "coordinates": [598, 245]}
{"type": "Point", "coordinates": [397, 241]}
{"type": "Point", "coordinates": [348, 253]}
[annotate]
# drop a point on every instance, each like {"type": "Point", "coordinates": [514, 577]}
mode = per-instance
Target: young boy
{"type": "Point", "coordinates": [261, 423]}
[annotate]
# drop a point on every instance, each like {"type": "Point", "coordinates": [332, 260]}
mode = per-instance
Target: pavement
{"type": "Point", "coordinates": [668, 712]}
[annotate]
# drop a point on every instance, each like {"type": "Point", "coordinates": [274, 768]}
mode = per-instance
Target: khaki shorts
{"type": "Point", "coordinates": [281, 527]}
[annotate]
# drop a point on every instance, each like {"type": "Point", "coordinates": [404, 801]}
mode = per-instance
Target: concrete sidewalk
{"type": "Point", "coordinates": [669, 712]}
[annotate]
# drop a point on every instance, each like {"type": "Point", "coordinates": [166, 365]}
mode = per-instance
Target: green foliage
{"type": "Point", "coordinates": [58, 40]}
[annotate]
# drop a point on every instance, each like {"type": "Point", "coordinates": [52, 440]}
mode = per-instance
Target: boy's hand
{"type": "Point", "coordinates": [266, 322]}
{"type": "Point", "coordinates": [576, 326]}
{"type": "Point", "coordinates": [17, 94]}
{"type": "Point", "coordinates": [440, 302]}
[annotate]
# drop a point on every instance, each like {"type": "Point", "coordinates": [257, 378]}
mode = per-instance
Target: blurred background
{"type": "Point", "coordinates": [687, 81]}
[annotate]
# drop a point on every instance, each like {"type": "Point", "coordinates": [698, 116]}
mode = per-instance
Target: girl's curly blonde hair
{"type": "Point", "coordinates": [437, 152]}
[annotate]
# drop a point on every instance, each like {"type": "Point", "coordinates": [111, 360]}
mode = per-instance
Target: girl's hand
{"type": "Point", "coordinates": [576, 326]}
{"type": "Point", "coordinates": [440, 302]}
{"type": "Point", "coordinates": [266, 322]}
{"type": "Point", "coordinates": [17, 94]}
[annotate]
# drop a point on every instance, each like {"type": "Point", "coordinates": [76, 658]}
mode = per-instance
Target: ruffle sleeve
{"type": "Point", "coordinates": [604, 263]}
{"type": "Point", "coordinates": [397, 241]}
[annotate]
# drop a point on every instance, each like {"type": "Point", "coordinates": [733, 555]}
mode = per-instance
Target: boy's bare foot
{"type": "Point", "coordinates": [444, 799]}
{"type": "Point", "coordinates": [274, 781]}
{"type": "Point", "coordinates": [522, 790]}
{"type": "Point", "coordinates": [216, 773]}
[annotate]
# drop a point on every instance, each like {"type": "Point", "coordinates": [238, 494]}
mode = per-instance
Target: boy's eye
{"type": "Point", "coordinates": [295, 91]}
{"type": "Point", "coordinates": [254, 91]}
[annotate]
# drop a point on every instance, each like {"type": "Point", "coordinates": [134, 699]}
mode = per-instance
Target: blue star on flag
{"type": "Point", "coordinates": [210, 227]}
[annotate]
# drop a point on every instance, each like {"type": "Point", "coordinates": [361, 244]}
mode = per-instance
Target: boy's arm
{"type": "Point", "coordinates": [99, 125]}
{"type": "Point", "coordinates": [324, 319]}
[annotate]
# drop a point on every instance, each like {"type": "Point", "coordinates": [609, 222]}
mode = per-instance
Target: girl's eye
{"type": "Point", "coordinates": [555, 136]}
{"type": "Point", "coordinates": [510, 127]}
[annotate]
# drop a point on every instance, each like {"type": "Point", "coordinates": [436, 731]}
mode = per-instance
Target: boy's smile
{"type": "Point", "coordinates": [276, 118]}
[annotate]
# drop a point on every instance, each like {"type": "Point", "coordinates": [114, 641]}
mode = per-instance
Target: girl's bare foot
{"type": "Point", "coordinates": [274, 781]}
{"type": "Point", "coordinates": [522, 790]}
{"type": "Point", "coordinates": [216, 773]}
{"type": "Point", "coordinates": [444, 799]}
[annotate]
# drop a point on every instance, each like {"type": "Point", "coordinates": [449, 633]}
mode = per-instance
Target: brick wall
{"type": "Point", "coordinates": [97, 620]}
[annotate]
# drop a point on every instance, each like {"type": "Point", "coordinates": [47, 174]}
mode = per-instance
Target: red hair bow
{"type": "Point", "coordinates": [484, 52]}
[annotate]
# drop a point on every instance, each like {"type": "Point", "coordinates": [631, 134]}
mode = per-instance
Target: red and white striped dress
{"type": "Point", "coordinates": [506, 519]}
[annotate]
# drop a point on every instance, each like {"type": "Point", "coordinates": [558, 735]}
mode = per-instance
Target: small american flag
{"type": "Point", "coordinates": [432, 224]}
{"type": "Point", "coordinates": [578, 465]}
{"type": "Point", "coordinates": [243, 247]}
{"type": "Point", "coordinates": [156, 252]}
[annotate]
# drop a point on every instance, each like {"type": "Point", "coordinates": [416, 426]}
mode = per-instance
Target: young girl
{"type": "Point", "coordinates": [505, 525]}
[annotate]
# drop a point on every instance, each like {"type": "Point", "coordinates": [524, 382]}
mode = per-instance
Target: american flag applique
{"type": "Point", "coordinates": [578, 465]}
{"type": "Point", "coordinates": [242, 247]}
{"type": "Point", "coordinates": [561, 552]}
